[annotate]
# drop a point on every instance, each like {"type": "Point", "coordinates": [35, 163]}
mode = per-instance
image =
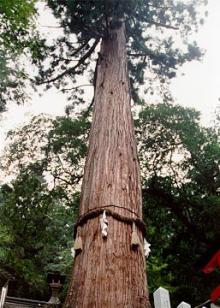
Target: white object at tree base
{"type": "Point", "coordinates": [78, 246]}
{"type": "Point", "coordinates": [161, 298]}
{"type": "Point", "coordinates": [183, 305]}
{"type": "Point", "coordinates": [104, 225]}
{"type": "Point", "coordinates": [73, 252]}
{"type": "Point", "coordinates": [135, 241]}
{"type": "Point", "coordinates": [147, 249]}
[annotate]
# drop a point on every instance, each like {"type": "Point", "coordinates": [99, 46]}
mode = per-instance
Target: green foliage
{"type": "Point", "coordinates": [152, 30]}
{"type": "Point", "coordinates": [159, 275]}
{"type": "Point", "coordinates": [72, 134]}
{"type": "Point", "coordinates": [55, 147]}
{"type": "Point", "coordinates": [45, 188]}
{"type": "Point", "coordinates": [11, 82]}
{"type": "Point", "coordinates": [180, 163]}
{"type": "Point", "coordinates": [16, 19]}
{"type": "Point", "coordinates": [18, 38]}
{"type": "Point", "coordinates": [36, 230]}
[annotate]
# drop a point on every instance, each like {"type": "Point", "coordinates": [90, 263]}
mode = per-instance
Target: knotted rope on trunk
{"type": "Point", "coordinates": [96, 212]}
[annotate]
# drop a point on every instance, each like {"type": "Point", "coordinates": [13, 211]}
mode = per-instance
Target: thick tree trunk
{"type": "Point", "coordinates": [108, 272]}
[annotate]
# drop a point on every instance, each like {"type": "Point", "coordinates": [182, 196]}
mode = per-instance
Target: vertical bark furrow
{"type": "Point", "coordinates": [111, 173]}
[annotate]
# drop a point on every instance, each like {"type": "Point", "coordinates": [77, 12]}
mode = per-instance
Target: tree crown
{"type": "Point", "coordinates": [152, 30]}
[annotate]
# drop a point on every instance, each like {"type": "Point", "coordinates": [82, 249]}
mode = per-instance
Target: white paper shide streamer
{"type": "Point", "coordinates": [78, 243]}
{"type": "Point", "coordinates": [73, 252]}
{"type": "Point", "coordinates": [147, 249]}
{"type": "Point", "coordinates": [104, 225]}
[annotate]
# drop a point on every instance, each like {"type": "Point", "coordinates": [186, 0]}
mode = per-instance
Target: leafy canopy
{"type": "Point", "coordinates": [181, 178]}
{"type": "Point", "coordinates": [36, 232]}
{"type": "Point", "coordinates": [152, 30]}
{"type": "Point", "coordinates": [18, 38]}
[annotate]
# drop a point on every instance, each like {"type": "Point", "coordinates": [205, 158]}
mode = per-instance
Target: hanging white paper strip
{"type": "Point", "coordinates": [104, 225]}
{"type": "Point", "coordinates": [147, 249]}
{"type": "Point", "coordinates": [73, 252]}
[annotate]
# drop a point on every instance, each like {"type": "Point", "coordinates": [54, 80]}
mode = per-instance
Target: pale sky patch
{"type": "Point", "coordinates": [200, 87]}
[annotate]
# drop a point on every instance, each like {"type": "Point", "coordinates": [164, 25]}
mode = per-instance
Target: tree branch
{"type": "Point", "coordinates": [61, 179]}
{"type": "Point", "coordinates": [80, 48]}
{"type": "Point", "coordinates": [158, 24]}
{"type": "Point", "coordinates": [73, 69]}
{"type": "Point", "coordinates": [64, 169]}
{"type": "Point", "coordinates": [77, 87]}
{"type": "Point", "coordinates": [86, 112]}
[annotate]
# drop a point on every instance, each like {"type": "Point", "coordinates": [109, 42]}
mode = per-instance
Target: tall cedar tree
{"type": "Point", "coordinates": [108, 273]}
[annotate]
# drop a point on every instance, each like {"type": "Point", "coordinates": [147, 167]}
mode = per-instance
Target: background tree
{"type": "Point", "coordinates": [19, 41]}
{"type": "Point", "coordinates": [180, 163]}
{"type": "Point", "coordinates": [48, 170]}
{"type": "Point", "coordinates": [57, 147]}
{"type": "Point", "coordinates": [36, 233]}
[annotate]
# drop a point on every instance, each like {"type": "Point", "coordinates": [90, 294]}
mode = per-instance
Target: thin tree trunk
{"type": "Point", "coordinates": [108, 273]}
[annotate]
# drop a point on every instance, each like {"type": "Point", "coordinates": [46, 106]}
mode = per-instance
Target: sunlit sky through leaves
{"type": "Point", "coordinates": [199, 87]}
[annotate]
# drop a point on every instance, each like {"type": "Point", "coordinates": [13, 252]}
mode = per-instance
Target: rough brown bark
{"type": "Point", "coordinates": [108, 273]}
